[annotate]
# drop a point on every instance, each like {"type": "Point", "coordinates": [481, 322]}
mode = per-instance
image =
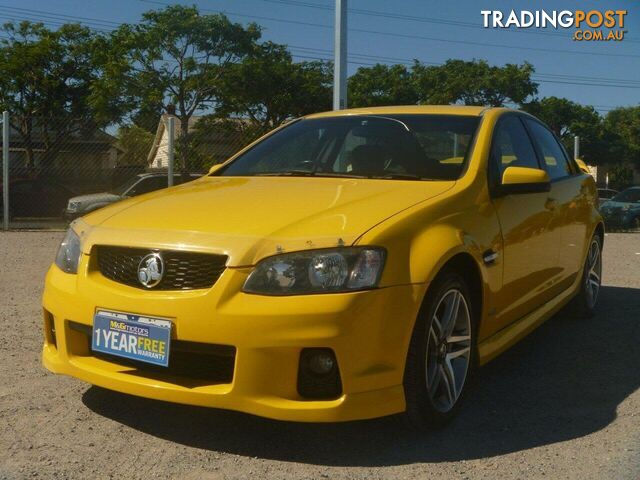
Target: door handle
{"type": "Point", "coordinates": [551, 204]}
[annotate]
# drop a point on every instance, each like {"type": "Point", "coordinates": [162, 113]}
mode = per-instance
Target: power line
{"type": "Point", "coordinates": [370, 64]}
{"type": "Point", "coordinates": [414, 18]}
{"type": "Point", "coordinates": [418, 37]}
{"type": "Point", "coordinates": [421, 37]}
{"type": "Point", "coordinates": [60, 15]}
{"type": "Point", "coordinates": [60, 19]}
{"type": "Point", "coordinates": [410, 62]}
{"type": "Point", "coordinates": [90, 21]}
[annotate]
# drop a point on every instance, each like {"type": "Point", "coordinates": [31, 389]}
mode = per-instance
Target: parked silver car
{"type": "Point", "coordinates": [142, 183]}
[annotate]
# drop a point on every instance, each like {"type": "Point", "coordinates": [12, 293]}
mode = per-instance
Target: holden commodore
{"type": "Point", "coordinates": [348, 265]}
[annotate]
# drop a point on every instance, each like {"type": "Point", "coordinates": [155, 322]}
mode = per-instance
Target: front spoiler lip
{"type": "Point", "coordinates": [348, 407]}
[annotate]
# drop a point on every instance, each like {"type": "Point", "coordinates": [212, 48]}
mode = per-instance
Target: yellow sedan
{"type": "Point", "coordinates": [348, 265]}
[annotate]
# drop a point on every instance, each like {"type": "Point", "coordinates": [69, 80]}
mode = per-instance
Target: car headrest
{"type": "Point", "coordinates": [368, 159]}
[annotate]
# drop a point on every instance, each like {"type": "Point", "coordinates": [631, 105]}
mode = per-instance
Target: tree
{"type": "Point", "coordinates": [136, 143]}
{"type": "Point", "coordinates": [46, 84]}
{"type": "Point", "coordinates": [624, 125]}
{"type": "Point", "coordinates": [382, 85]}
{"type": "Point", "coordinates": [178, 56]}
{"type": "Point", "coordinates": [268, 88]}
{"type": "Point", "coordinates": [474, 83]}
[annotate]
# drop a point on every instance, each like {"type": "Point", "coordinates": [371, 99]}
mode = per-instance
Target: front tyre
{"type": "Point", "coordinates": [441, 353]}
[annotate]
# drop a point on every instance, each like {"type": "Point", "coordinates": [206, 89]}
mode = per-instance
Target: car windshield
{"type": "Point", "coordinates": [121, 190]}
{"type": "Point", "coordinates": [631, 195]}
{"type": "Point", "coordinates": [405, 147]}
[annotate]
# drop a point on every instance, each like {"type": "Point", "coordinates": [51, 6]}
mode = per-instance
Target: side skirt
{"type": "Point", "coordinates": [500, 341]}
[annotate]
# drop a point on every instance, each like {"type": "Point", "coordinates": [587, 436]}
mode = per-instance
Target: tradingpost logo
{"type": "Point", "coordinates": [592, 25]}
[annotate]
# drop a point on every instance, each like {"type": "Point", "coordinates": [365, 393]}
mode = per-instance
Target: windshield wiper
{"type": "Point", "coordinates": [288, 173]}
{"type": "Point", "coordinates": [307, 173]}
{"type": "Point", "coordinates": [398, 176]}
{"type": "Point", "coordinates": [339, 175]}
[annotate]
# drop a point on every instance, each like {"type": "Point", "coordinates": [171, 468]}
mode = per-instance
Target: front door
{"type": "Point", "coordinates": [530, 255]}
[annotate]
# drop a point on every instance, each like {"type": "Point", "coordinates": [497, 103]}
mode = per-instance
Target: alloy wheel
{"type": "Point", "coordinates": [594, 273]}
{"type": "Point", "coordinates": [448, 350]}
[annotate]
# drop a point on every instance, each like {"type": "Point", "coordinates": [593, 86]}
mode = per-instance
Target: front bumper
{"type": "Point", "coordinates": [368, 331]}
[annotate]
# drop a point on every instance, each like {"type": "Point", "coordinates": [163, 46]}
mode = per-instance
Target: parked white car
{"type": "Point", "coordinates": [142, 183]}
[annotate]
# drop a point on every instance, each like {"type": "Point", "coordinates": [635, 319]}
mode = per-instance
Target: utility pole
{"type": "Point", "coordinates": [576, 147]}
{"type": "Point", "coordinates": [340, 57]}
{"type": "Point", "coordinates": [6, 127]}
{"type": "Point", "coordinates": [171, 148]}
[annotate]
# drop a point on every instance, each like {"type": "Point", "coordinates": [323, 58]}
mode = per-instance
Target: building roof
{"type": "Point", "coordinates": [220, 141]}
{"type": "Point", "coordinates": [78, 136]}
{"type": "Point", "coordinates": [160, 130]}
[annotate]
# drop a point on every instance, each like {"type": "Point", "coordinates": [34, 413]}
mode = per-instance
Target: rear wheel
{"type": "Point", "coordinates": [584, 303]}
{"type": "Point", "coordinates": [441, 353]}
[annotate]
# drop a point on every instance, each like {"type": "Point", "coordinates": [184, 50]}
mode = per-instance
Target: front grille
{"type": "Point", "coordinates": [183, 270]}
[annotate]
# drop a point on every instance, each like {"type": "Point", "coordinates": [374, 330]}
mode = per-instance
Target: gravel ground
{"type": "Point", "coordinates": [564, 403]}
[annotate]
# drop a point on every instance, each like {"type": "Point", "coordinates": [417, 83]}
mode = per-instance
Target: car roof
{"type": "Point", "coordinates": [407, 110]}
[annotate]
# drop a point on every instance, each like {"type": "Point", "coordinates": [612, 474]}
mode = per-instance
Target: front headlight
{"type": "Point", "coordinates": [73, 206]}
{"type": "Point", "coordinates": [317, 271]}
{"type": "Point", "coordinates": [68, 255]}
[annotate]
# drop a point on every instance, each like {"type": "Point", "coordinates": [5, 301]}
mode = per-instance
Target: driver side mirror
{"type": "Point", "coordinates": [215, 168]}
{"type": "Point", "coordinates": [582, 166]}
{"type": "Point", "coordinates": [516, 180]}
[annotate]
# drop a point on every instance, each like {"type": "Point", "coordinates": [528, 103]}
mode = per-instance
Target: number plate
{"type": "Point", "coordinates": [136, 337]}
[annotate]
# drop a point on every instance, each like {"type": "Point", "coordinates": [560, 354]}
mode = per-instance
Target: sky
{"type": "Point", "coordinates": [603, 74]}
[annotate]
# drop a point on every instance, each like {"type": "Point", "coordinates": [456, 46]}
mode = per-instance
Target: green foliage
{"type": "Point", "coordinates": [46, 84]}
{"type": "Point", "coordinates": [268, 88]}
{"type": "Point", "coordinates": [136, 143]}
{"type": "Point", "coordinates": [213, 139]}
{"type": "Point", "coordinates": [623, 125]}
{"type": "Point", "coordinates": [456, 81]}
{"type": "Point", "coordinates": [382, 85]}
{"type": "Point", "coordinates": [620, 176]}
{"type": "Point", "coordinates": [178, 56]}
{"type": "Point", "coordinates": [63, 82]}
{"type": "Point", "coordinates": [474, 83]}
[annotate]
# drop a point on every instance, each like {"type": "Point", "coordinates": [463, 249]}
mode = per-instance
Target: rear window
{"type": "Point", "coordinates": [630, 195]}
{"type": "Point", "coordinates": [425, 147]}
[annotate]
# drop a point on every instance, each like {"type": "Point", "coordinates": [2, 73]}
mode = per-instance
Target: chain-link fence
{"type": "Point", "coordinates": [55, 171]}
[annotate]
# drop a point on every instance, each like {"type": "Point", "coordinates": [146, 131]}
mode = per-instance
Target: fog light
{"type": "Point", "coordinates": [318, 374]}
{"type": "Point", "coordinates": [321, 363]}
{"type": "Point", "coordinates": [50, 329]}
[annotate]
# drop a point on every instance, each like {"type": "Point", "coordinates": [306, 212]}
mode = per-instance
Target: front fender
{"type": "Point", "coordinates": [420, 242]}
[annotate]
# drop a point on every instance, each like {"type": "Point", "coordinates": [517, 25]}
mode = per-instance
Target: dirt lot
{"type": "Point", "coordinates": [564, 403]}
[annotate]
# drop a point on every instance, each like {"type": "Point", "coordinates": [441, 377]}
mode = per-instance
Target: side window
{"type": "Point", "coordinates": [148, 184]}
{"type": "Point", "coordinates": [300, 153]}
{"type": "Point", "coordinates": [511, 147]}
{"type": "Point", "coordinates": [555, 160]}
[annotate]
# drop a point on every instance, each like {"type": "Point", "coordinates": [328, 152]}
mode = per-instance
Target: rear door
{"type": "Point", "coordinates": [568, 201]}
{"type": "Point", "coordinates": [529, 255]}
